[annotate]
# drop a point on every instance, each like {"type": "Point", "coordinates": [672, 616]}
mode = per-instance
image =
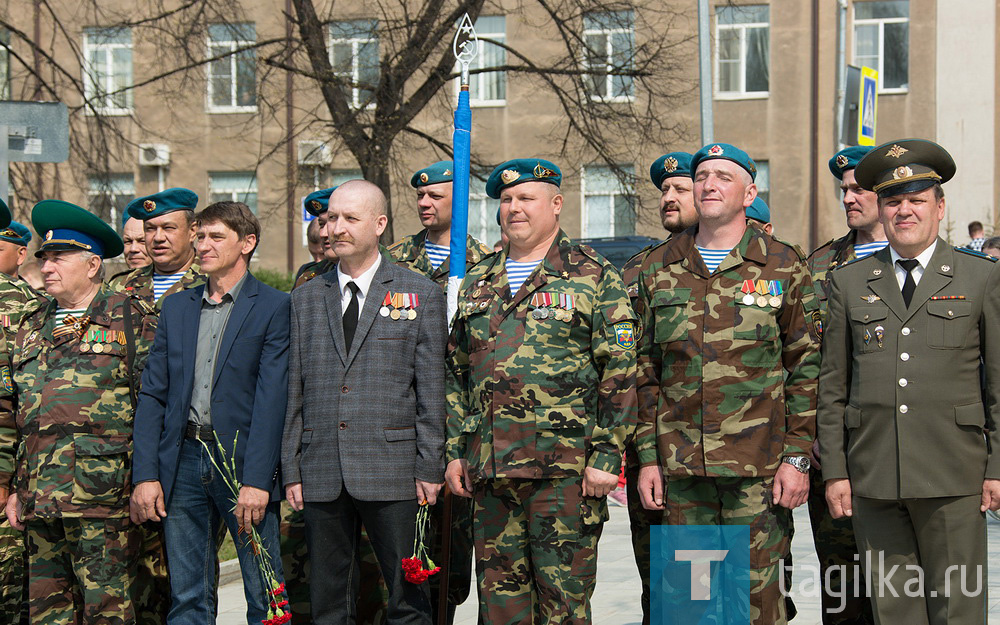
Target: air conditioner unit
{"type": "Point", "coordinates": [154, 154]}
{"type": "Point", "coordinates": [314, 153]}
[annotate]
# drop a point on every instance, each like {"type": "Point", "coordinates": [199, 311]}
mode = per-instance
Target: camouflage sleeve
{"type": "Point", "coordinates": [456, 388]}
{"type": "Point", "coordinates": [800, 358]}
{"type": "Point", "coordinates": [613, 349]}
{"type": "Point", "coordinates": [8, 428]}
{"type": "Point", "coordinates": [649, 362]}
{"type": "Point", "coordinates": [835, 374]}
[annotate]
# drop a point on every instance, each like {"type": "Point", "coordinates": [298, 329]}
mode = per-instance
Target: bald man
{"type": "Point", "coordinates": [372, 451]}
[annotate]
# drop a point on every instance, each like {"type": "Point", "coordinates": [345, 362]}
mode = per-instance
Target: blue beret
{"type": "Point", "coordinates": [519, 170]}
{"type": "Point", "coordinates": [904, 166]}
{"type": "Point", "coordinates": [441, 171]}
{"type": "Point", "coordinates": [669, 166]}
{"type": "Point", "coordinates": [727, 152]}
{"type": "Point", "coordinates": [69, 227]}
{"type": "Point", "coordinates": [759, 211]}
{"type": "Point", "coordinates": [318, 202]}
{"type": "Point", "coordinates": [167, 201]}
{"type": "Point", "coordinates": [16, 233]}
{"type": "Point", "coordinates": [847, 159]}
{"type": "Point", "coordinates": [4, 214]}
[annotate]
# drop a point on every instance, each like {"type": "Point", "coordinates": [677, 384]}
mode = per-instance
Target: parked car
{"type": "Point", "coordinates": [619, 249]}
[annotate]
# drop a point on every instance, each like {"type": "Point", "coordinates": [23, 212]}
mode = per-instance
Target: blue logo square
{"type": "Point", "coordinates": [701, 574]}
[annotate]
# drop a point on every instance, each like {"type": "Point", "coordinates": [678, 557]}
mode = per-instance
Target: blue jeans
{"type": "Point", "coordinates": [200, 501]}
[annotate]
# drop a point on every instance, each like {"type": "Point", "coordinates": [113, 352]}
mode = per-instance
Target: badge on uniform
{"type": "Point", "coordinates": [400, 306]}
{"type": "Point", "coordinates": [5, 379]}
{"type": "Point", "coordinates": [102, 341]}
{"type": "Point", "coordinates": [71, 325]}
{"type": "Point", "coordinates": [762, 288]}
{"type": "Point", "coordinates": [625, 334]}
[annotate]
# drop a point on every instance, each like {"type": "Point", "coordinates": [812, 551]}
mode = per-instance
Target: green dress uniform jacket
{"type": "Point", "coordinates": [74, 415]}
{"type": "Point", "coordinates": [902, 411]}
{"type": "Point", "coordinates": [714, 399]}
{"type": "Point", "coordinates": [537, 398]}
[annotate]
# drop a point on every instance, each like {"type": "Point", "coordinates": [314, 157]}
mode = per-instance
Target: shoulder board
{"type": "Point", "coordinates": [398, 244]}
{"type": "Point", "coordinates": [591, 253]}
{"type": "Point", "coordinates": [120, 274]}
{"type": "Point", "coordinates": [966, 250]}
{"type": "Point", "coordinates": [486, 258]}
{"type": "Point", "coordinates": [798, 250]}
{"type": "Point", "coordinates": [141, 305]}
{"type": "Point", "coordinates": [641, 253]}
{"type": "Point", "coordinates": [822, 247]}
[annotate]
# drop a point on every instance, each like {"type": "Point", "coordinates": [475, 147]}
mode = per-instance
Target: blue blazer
{"type": "Point", "coordinates": [249, 388]}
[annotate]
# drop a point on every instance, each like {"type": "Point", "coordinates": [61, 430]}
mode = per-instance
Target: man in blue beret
{"type": "Point", "coordinates": [134, 236]}
{"type": "Point", "coordinates": [74, 361]}
{"type": "Point", "coordinates": [760, 213]}
{"type": "Point", "coordinates": [168, 224]}
{"type": "Point", "coordinates": [14, 240]}
{"type": "Point", "coordinates": [316, 204]}
{"type": "Point", "coordinates": [541, 398]}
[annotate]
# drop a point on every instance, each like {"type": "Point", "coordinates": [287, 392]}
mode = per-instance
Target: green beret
{"type": "Point", "coordinates": [669, 166]}
{"type": "Point", "coordinates": [16, 233]}
{"type": "Point", "coordinates": [318, 202]}
{"type": "Point", "coordinates": [440, 171]}
{"type": "Point", "coordinates": [727, 152]}
{"type": "Point", "coordinates": [847, 159]}
{"type": "Point", "coordinates": [514, 172]}
{"type": "Point", "coordinates": [167, 201]}
{"type": "Point", "coordinates": [4, 214]}
{"type": "Point", "coordinates": [905, 166]}
{"type": "Point", "coordinates": [68, 227]}
{"type": "Point", "coordinates": [759, 210]}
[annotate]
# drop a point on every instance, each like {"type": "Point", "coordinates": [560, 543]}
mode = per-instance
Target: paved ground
{"type": "Point", "coordinates": [616, 601]}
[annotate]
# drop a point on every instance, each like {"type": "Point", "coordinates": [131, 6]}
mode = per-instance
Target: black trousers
{"type": "Point", "coordinates": [333, 530]}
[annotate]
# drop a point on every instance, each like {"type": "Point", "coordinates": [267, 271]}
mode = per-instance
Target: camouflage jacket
{"type": "Point", "coordinates": [533, 397]}
{"type": "Point", "coordinates": [16, 299]}
{"type": "Point", "coordinates": [140, 282]}
{"type": "Point", "coordinates": [74, 414]}
{"type": "Point", "coordinates": [713, 397]}
{"type": "Point", "coordinates": [826, 258]}
{"type": "Point", "coordinates": [410, 253]}
{"type": "Point", "coordinates": [309, 271]}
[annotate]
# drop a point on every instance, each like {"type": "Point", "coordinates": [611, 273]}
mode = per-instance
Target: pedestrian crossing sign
{"type": "Point", "coordinates": [869, 106]}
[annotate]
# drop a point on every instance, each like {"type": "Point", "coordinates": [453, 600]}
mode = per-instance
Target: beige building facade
{"type": "Point", "coordinates": [236, 129]}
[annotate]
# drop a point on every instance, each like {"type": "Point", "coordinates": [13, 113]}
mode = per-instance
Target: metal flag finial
{"type": "Point", "coordinates": [465, 46]}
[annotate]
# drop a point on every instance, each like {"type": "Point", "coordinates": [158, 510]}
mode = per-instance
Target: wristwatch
{"type": "Point", "coordinates": [801, 463]}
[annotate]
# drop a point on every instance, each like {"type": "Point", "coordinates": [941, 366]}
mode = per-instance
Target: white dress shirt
{"type": "Point", "coordinates": [364, 282]}
{"type": "Point", "coordinates": [923, 258]}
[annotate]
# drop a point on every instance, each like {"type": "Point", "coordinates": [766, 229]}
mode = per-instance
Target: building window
{"type": "Point", "coordinates": [608, 205]}
{"type": "Point", "coordinates": [882, 42]}
{"type": "Point", "coordinates": [232, 79]}
{"type": "Point", "coordinates": [354, 57]}
{"type": "Point", "coordinates": [483, 213]}
{"type": "Point", "coordinates": [742, 55]}
{"type": "Point", "coordinates": [108, 196]}
{"type": "Point", "coordinates": [340, 176]}
{"type": "Point", "coordinates": [4, 64]}
{"type": "Point", "coordinates": [107, 69]}
{"type": "Point", "coordinates": [610, 41]}
{"type": "Point", "coordinates": [233, 186]}
{"type": "Point", "coordinates": [489, 88]}
{"type": "Point", "coordinates": [763, 181]}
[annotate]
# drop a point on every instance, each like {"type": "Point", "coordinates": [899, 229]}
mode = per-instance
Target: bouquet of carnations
{"type": "Point", "coordinates": [278, 611]}
{"type": "Point", "coordinates": [413, 566]}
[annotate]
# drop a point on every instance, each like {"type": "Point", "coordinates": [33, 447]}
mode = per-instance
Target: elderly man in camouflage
{"type": "Point", "coordinates": [834, 538]}
{"type": "Point", "coordinates": [75, 360]}
{"type": "Point", "coordinates": [671, 174]}
{"type": "Point", "coordinates": [427, 252]}
{"type": "Point", "coordinates": [724, 437]}
{"type": "Point", "coordinates": [541, 397]}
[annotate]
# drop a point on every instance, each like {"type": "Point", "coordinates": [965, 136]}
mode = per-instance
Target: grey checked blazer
{"type": "Point", "coordinates": [373, 419]}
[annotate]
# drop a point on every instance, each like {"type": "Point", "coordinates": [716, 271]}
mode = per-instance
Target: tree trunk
{"type": "Point", "coordinates": [377, 172]}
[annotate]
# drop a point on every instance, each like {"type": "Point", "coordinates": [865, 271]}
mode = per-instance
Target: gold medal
{"type": "Point", "coordinates": [748, 300]}
{"type": "Point", "coordinates": [775, 301]}
{"type": "Point", "coordinates": [476, 293]}
{"type": "Point", "coordinates": [85, 347]}
{"type": "Point", "coordinates": [762, 301]}
{"type": "Point", "coordinates": [413, 314]}
{"type": "Point", "coordinates": [98, 348]}
{"type": "Point", "coordinates": [394, 314]}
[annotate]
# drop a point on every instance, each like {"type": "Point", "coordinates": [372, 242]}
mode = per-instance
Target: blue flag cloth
{"type": "Point", "coordinates": [461, 145]}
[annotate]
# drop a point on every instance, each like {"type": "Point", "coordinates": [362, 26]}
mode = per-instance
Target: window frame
{"type": "Point", "coordinates": [90, 87]}
{"type": "Point", "coordinates": [234, 44]}
{"type": "Point", "coordinates": [482, 211]}
{"type": "Point", "coordinates": [107, 186]}
{"type": "Point", "coordinates": [609, 51]}
{"type": "Point", "coordinates": [356, 42]}
{"type": "Point", "coordinates": [5, 87]}
{"type": "Point", "coordinates": [622, 191]}
{"type": "Point", "coordinates": [233, 191]}
{"type": "Point", "coordinates": [742, 28]}
{"type": "Point", "coordinates": [880, 22]}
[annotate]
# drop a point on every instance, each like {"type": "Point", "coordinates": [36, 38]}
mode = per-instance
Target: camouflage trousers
{"type": "Point", "coordinates": [151, 586]}
{"type": "Point", "coordinates": [13, 574]}
{"type": "Point", "coordinates": [81, 571]}
{"type": "Point", "coordinates": [536, 550]}
{"type": "Point", "coordinates": [835, 547]}
{"type": "Point", "coordinates": [640, 520]}
{"type": "Point", "coordinates": [739, 501]}
{"type": "Point", "coordinates": [459, 557]}
{"type": "Point", "coordinates": [373, 596]}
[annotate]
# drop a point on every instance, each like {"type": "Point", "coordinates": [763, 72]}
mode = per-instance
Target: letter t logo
{"type": "Point", "coordinates": [701, 569]}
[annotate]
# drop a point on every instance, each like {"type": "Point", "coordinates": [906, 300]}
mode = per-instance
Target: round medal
{"type": "Point", "coordinates": [544, 313]}
{"type": "Point", "coordinates": [85, 347]}
{"type": "Point", "coordinates": [98, 348]}
{"type": "Point", "coordinates": [384, 311]}
{"type": "Point", "coordinates": [748, 300]}
{"type": "Point", "coordinates": [775, 301]}
{"type": "Point", "coordinates": [413, 314]}
{"type": "Point", "coordinates": [762, 301]}
{"type": "Point", "coordinates": [394, 314]}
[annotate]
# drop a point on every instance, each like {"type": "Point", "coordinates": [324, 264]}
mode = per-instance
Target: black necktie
{"type": "Point", "coordinates": [909, 285]}
{"type": "Point", "coordinates": [351, 315]}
